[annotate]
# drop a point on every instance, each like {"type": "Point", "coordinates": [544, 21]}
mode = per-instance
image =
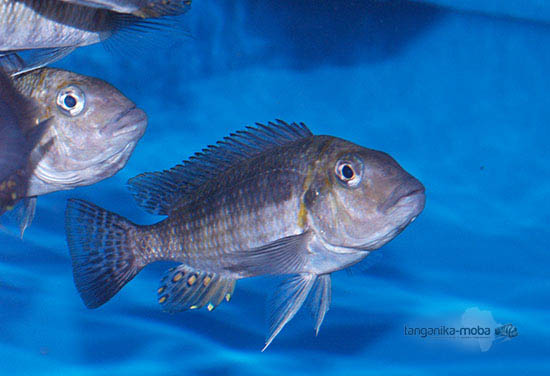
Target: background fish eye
{"type": "Point", "coordinates": [71, 100]}
{"type": "Point", "coordinates": [348, 172]}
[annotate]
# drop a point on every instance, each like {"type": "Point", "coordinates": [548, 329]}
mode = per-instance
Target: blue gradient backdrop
{"type": "Point", "coordinates": [460, 97]}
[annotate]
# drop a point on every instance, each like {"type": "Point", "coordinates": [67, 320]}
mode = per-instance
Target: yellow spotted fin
{"type": "Point", "coordinates": [185, 288]}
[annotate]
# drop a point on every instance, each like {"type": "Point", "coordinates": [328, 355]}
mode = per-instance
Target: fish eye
{"type": "Point", "coordinates": [71, 100]}
{"type": "Point", "coordinates": [348, 173]}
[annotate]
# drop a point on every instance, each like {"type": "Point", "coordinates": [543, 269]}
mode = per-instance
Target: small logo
{"type": "Point", "coordinates": [507, 330]}
{"type": "Point", "coordinates": [475, 327]}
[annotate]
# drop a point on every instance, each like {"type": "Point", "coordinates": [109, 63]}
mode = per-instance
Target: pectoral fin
{"type": "Point", "coordinates": [186, 288]}
{"type": "Point", "coordinates": [283, 256]}
{"type": "Point", "coordinates": [16, 63]}
{"type": "Point", "coordinates": [287, 300]}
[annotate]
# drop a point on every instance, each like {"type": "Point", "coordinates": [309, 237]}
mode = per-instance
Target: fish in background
{"type": "Point", "coordinates": [92, 131]}
{"type": "Point", "coordinates": [269, 200]}
{"type": "Point", "coordinates": [35, 33]}
{"type": "Point", "coordinates": [19, 133]}
{"type": "Point", "coordinates": [139, 8]}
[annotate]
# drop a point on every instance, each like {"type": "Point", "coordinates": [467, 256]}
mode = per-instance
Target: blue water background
{"type": "Point", "coordinates": [460, 97]}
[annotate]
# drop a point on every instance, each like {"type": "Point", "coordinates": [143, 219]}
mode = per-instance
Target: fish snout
{"type": "Point", "coordinates": [131, 122]}
{"type": "Point", "coordinates": [411, 190]}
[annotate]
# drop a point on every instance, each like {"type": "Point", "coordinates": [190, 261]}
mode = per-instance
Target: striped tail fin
{"type": "Point", "coordinates": [101, 250]}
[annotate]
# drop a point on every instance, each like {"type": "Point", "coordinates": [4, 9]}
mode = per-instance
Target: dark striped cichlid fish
{"type": "Point", "coordinates": [20, 132]}
{"type": "Point", "coordinates": [139, 8]}
{"type": "Point", "coordinates": [269, 200]}
{"type": "Point", "coordinates": [92, 129]}
{"type": "Point", "coordinates": [51, 29]}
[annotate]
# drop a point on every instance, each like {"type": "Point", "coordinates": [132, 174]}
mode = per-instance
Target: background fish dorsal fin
{"type": "Point", "coordinates": [158, 192]}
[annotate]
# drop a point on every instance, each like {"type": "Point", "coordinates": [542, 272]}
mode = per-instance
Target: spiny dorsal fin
{"type": "Point", "coordinates": [158, 192]}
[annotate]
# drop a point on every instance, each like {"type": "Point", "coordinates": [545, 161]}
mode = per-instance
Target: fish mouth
{"type": "Point", "coordinates": [131, 122]}
{"type": "Point", "coordinates": [410, 193]}
{"type": "Point", "coordinates": [394, 214]}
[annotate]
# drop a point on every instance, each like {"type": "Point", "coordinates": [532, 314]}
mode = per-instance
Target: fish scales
{"type": "Point", "coordinates": [140, 8]}
{"type": "Point", "coordinates": [36, 33]}
{"type": "Point", "coordinates": [30, 24]}
{"type": "Point", "coordinates": [269, 200]}
{"type": "Point", "coordinates": [260, 206]}
{"type": "Point", "coordinates": [251, 204]}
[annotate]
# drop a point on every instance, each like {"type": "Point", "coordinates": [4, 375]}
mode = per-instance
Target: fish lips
{"type": "Point", "coordinates": [410, 195]}
{"type": "Point", "coordinates": [129, 124]}
{"type": "Point", "coordinates": [124, 133]}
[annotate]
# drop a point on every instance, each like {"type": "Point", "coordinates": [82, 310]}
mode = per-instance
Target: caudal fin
{"type": "Point", "coordinates": [101, 251]}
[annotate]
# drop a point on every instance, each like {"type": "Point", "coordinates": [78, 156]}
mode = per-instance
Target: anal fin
{"type": "Point", "coordinates": [185, 288]}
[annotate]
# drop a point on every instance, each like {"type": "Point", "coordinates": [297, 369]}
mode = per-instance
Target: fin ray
{"type": "Point", "coordinates": [25, 214]}
{"type": "Point", "coordinates": [320, 300]}
{"type": "Point", "coordinates": [282, 256]}
{"type": "Point", "coordinates": [288, 299]}
{"type": "Point", "coordinates": [185, 288]}
{"type": "Point", "coordinates": [101, 251]}
{"type": "Point", "coordinates": [160, 192]}
{"type": "Point", "coordinates": [27, 60]}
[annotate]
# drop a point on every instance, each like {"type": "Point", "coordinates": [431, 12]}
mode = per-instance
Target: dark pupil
{"type": "Point", "coordinates": [347, 172]}
{"type": "Point", "coordinates": [70, 101]}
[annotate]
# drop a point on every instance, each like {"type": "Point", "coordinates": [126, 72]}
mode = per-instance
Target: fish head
{"type": "Point", "coordinates": [360, 198]}
{"type": "Point", "coordinates": [93, 129]}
